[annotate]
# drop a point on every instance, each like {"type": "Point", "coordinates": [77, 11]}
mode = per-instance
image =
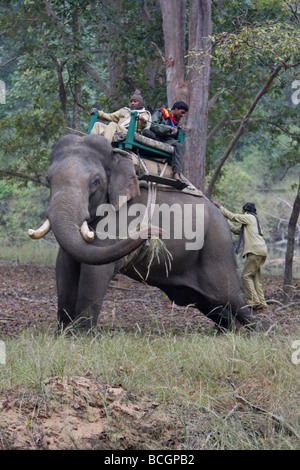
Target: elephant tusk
{"type": "Point", "coordinates": [86, 233]}
{"type": "Point", "coordinates": [40, 232]}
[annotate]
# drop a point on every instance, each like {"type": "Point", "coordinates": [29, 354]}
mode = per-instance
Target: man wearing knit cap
{"type": "Point", "coordinates": [119, 120]}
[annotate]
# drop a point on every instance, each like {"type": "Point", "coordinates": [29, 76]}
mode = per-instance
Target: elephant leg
{"type": "Point", "coordinates": [93, 284]}
{"type": "Point", "coordinates": [67, 280]}
{"type": "Point", "coordinates": [221, 315]}
{"type": "Point", "coordinates": [224, 318]}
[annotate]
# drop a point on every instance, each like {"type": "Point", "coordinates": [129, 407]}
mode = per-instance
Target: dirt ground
{"type": "Point", "coordinates": [83, 413]}
{"type": "Point", "coordinates": [28, 298]}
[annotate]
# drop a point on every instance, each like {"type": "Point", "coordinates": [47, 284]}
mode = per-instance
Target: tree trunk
{"type": "Point", "coordinates": [288, 272]}
{"type": "Point", "coordinates": [76, 103]}
{"type": "Point", "coordinates": [197, 83]}
{"type": "Point", "coordinates": [174, 24]}
{"type": "Point", "coordinates": [62, 91]}
{"type": "Point", "coordinates": [77, 72]}
{"type": "Point", "coordinates": [194, 86]}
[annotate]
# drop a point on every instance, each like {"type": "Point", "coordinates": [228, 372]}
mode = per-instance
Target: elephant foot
{"type": "Point", "coordinates": [261, 324]}
{"type": "Point", "coordinates": [251, 320]}
{"type": "Point", "coordinates": [224, 320]}
{"type": "Point", "coordinates": [64, 319]}
{"type": "Point", "coordinates": [75, 326]}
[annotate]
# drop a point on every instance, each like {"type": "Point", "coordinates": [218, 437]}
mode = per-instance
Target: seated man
{"type": "Point", "coordinates": [119, 120]}
{"type": "Point", "coordinates": [164, 127]}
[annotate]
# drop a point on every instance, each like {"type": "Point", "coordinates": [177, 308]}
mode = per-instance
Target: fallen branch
{"type": "Point", "coordinates": [111, 286]}
{"type": "Point", "coordinates": [133, 300]}
{"type": "Point", "coordinates": [286, 306]}
{"type": "Point", "coordinates": [276, 418]}
{"type": "Point", "coordinates": [5, 319]}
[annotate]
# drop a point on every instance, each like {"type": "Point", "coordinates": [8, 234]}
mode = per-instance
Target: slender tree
{"type": "Point", "coordinates": [288, 271]}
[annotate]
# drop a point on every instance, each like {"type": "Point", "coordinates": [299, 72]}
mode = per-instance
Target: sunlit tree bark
{"type": "Point", "coordinates": [188, 79]}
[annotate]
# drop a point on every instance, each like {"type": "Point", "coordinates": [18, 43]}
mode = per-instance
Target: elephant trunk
{"type": "Point", "coordinates": [67, 222]}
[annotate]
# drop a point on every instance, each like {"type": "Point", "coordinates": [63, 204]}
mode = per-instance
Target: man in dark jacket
{"type": "Point", "coordinates": [165, 126]}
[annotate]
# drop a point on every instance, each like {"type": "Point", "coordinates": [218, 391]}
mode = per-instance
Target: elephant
{"type": "Point", "coordinates": [86, 173]}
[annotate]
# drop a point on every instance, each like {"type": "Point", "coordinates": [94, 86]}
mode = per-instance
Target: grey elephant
{"type": "Point", "coordinates": [86, 174]}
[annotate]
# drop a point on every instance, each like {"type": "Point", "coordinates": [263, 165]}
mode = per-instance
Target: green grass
{"type": "Point", "coordinates": [35, 252]}
{"type": "Point", "coordinates": [200, 378]}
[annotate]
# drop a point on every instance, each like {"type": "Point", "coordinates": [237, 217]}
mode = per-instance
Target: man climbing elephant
{"type": "Point", "coordinates": [255, 250]}
{"type": "Point", "coordinates": [119, 120]}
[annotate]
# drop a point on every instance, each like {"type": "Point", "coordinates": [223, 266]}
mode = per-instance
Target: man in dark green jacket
{"type": "Point", "coordinates": [164, 127]}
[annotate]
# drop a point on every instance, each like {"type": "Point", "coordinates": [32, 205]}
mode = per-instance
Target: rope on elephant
{"type": "Point", "coordinates": [156, 249]}
{"type": "Point", "coordinates": [152, 193]}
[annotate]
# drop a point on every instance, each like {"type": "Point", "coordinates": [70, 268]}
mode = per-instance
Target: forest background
{"type": "Point", "coordinates": [236, 63]}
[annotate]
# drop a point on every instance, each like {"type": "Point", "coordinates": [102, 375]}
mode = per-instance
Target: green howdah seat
{"type": "Point", "coordinates": [145, 148]}
{"type": "Point", "coordinates": [139, 142]}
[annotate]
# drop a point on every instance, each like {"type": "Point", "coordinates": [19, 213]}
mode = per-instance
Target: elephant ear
{"type": "Point", "coordinates": [123, 183]}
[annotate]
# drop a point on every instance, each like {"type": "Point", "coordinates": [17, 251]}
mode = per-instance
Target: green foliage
{"type": "Point", "coordinates": [54, 45]}
{"type": "Point", "coordinates": [27, 139]}
{"type": "Point", "coordinates": [22, 208]}
{"type": "Point", "coordinates": [5, 190]}
{"type": "Point", "coordinates": [268, 43]}
{"type": "Point", "coordinates": [252, 175]}
{"type": "Point", "coordinates": [250, 39]}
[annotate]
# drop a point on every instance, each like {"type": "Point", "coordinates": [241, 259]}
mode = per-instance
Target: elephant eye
{"type": "Point", "coordinates": [96, 181]}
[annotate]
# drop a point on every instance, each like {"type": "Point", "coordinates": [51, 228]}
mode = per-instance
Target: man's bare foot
{"type": "Point", "coordinates": [177, 177]}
